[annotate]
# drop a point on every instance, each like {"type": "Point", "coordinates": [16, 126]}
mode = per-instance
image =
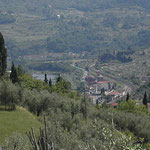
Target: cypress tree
{"type": "Point", "coordinates": [45, 79]}
{"type": "Point", "coordinates": [84, 107]}
{"type": "Point", "coordinates": [3, 56]}
{"type": "Point", "coordinates": [50, 82]}
{"type": "Point", "coordinates": [14, 75]}
{"type": "Point", "coordinates": [128, 96]}
{"type": "Point", "coordinates": [145, 98]}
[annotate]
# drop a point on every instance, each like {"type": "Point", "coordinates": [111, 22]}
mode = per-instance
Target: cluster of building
{"type": "Point", "coordinates": [101, 90]}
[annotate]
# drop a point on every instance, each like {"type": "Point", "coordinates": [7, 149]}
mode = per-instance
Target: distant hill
{"type": "Point", "coordinates": [84, 5]}
{"type": "Point", "coordinates": [76, 26]}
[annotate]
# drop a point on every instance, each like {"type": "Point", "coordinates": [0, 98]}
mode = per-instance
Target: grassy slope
{"type": "Point", "coordinates": [16, 121]}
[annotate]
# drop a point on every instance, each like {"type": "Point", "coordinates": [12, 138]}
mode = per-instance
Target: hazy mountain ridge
{"type": "Point", "coordinates": [64, 4]}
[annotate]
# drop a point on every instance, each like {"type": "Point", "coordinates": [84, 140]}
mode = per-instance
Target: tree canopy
{"type": "Point", "coordinates": [3, 56]}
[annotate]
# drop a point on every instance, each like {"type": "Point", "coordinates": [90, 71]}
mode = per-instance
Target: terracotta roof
{"type": "Point", "coordinates": [113, 93]}
{"type": "Point", "coordinates": [102, 82]}
{"type": "Point", "coordinates": [114, 104]}
{"type": "Point", "coordinates": [148, 104]}
{"type": "Point", "coordinates": [92, 96]}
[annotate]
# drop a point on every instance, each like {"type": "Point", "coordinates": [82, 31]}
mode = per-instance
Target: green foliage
{"type": "Point", "coordinates": [142, 89]}
{"type": "Point", "coordinates": [18, 121]}
{"type": "Point", "coordinates": [3, 56]}
{"type": "Point", "coordinates": [123, 57]}
{"type": "Point", "coordinates": [20, 70]}
{"type": "Point", "coordinates": [77, 29]}
{"type": "Point", "coordinates": [105, 105]}
{"type": "Point", "coordinates": [50, 82]}
{"type": "Point", "coordinates": [145, 99]}
{"type": "Point", "coordinates": [130, 106]}
{"type": "Point", "coordinates": [17, 141]}
{"type": "Point", "coordinates": [62, 86]}
{"type": "Point", "coordinates": [128, 96]}
{"type": "Point", "coordinates": [38, 101]}
{"type": "Point", "coordinates": [95, 135]}
{"type": "Point", "coordinates": [9, 96]}
{"type": "Point", "coordinates": [74, 109]}
{"type": "Point", "coordinates": [66, 127]}
{"type": "Point", "coordinates": [59, 79]}
{"type": "Point", "coordinates": [45, 79]}
{"type": "Point", "coordinates": [41, 142]}
{"type": "Point", "coordinates": [28, 82]}
{"type": "Point", "coordinates": [14, 74]}
{"type": "Point", "coordinates": [137, 122]}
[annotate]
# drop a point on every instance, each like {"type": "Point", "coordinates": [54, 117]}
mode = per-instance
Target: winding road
{"type": "Point", "coordinates": [85, 73]}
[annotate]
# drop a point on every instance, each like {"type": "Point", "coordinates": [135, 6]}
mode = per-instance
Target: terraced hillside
{"type": "Point", "coordinates": [61, 26]}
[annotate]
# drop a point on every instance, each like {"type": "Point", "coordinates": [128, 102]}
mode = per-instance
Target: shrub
{"type": "Point", "coordinates": [9, 95]}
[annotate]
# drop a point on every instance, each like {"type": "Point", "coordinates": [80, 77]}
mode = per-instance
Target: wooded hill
{"type": "Point", "coordinates": [76, 26]}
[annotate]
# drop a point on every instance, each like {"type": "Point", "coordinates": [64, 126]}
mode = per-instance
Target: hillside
{"type": "Point", "coordinates": [19, 121]}
{"type": "Point", "coordinates": [76, 26]}
{"type": "Point", "coordinates": [102, 46]}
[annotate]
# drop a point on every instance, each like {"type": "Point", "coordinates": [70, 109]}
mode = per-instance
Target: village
{"type": "Point", "coordinates": [101, 90]}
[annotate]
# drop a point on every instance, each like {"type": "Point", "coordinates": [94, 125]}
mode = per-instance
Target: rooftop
{"type": "Point", "coordinates": [114, 104]}
{"type": "Point", "coordinates": [102, 82]}
{"type": "Point", "coordinates": [148, 104]}
{"type": "Point", "coordinates": [113, 93]}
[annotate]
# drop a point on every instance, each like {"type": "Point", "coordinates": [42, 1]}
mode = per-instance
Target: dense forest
{"type": "Point", "coordinates": [123, 57]}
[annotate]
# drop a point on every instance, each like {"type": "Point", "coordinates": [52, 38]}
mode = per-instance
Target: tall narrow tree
{"type": "Point", "coordinates": [128, 96]}
{"type": "Point", "coordinates": [45, 79]}
{"type": "Point", "coordinates": [3, 56]}
{"type": "Point", "coordinates": [13, 74]}
{"type": "Point", "coordinates": [145, 99]}
{"type": "Point", "coordinates": [84, 106]}
{"type": "Point", "coordinates": [50, 82]}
